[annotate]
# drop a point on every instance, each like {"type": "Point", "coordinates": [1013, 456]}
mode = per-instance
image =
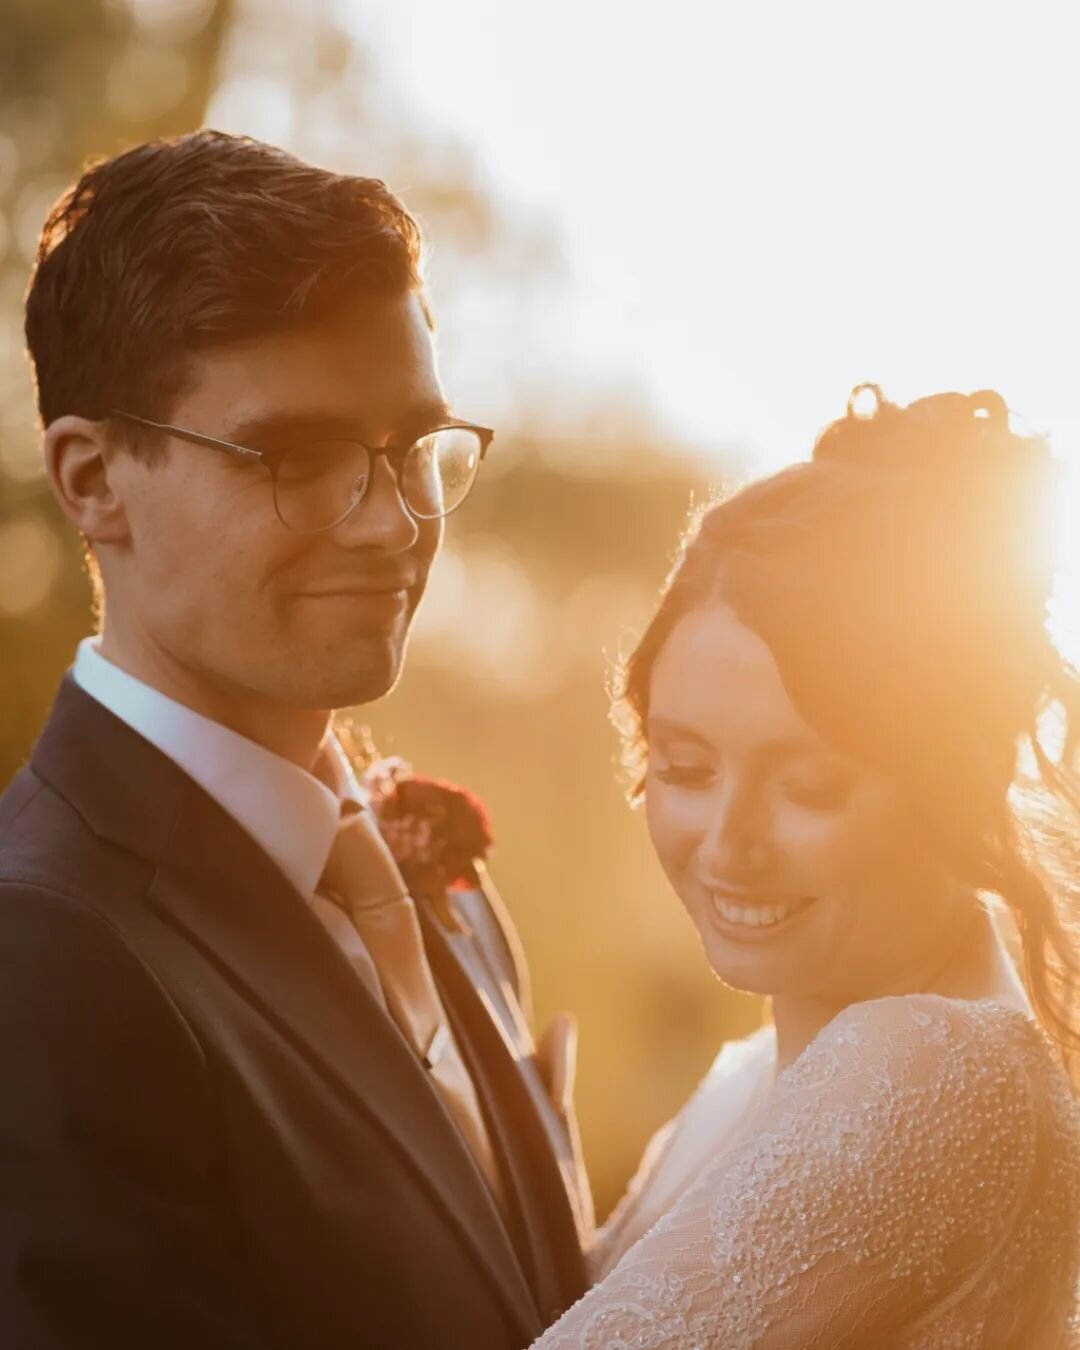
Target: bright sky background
{"type": "Point", "coordinates": [767, 202]}
{"type": "Point", "coordinates": [764, 203]}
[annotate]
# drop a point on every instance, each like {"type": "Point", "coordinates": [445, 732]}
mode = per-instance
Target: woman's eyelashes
{"type": "Point", "coordinates": [823, 791]}
{"type": "Point", "coordinates": [819, 790]}
{"type": "Point", "coordinates": [685, 775]}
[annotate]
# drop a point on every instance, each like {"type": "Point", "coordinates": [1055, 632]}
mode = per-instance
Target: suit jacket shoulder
{"type": "Point", "coordinates": [222, 1140]}
{"type": "Point", "coordinates": [112, 1215]}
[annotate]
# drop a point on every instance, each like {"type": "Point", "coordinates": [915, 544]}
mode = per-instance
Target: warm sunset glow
{"type": "Point", "coordinates": [664, 244]}
{"type": "Point", "coordinates": [763, 205]}
{"type": "Point", "coordinates": [1065, 606]}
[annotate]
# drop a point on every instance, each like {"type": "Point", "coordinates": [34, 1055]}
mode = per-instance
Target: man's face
{"type": "Point", "coordinates": [213, 587]}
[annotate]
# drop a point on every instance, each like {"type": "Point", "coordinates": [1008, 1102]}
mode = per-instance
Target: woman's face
{"type": "Point", "coordinates": [802, 869]}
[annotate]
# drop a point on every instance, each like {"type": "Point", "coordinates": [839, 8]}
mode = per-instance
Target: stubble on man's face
{"type": "Point", "coordinates": [220, 597]}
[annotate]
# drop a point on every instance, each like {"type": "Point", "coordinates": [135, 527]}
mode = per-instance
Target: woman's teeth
{"type": "Point", "coordinates": [756, 916]}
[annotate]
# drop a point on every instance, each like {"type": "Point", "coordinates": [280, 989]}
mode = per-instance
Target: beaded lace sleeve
{"type": "Point", "coordinates": [887, 1168]}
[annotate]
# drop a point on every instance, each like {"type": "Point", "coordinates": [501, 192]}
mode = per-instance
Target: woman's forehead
{"type": "Point", "coordinates": [717, 678]}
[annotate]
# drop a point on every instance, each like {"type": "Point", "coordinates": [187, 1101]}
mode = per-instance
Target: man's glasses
{"type": "Point", "coordinates": [317, 484]}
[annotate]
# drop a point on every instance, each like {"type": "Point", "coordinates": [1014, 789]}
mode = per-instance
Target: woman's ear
{"type": "Point", "coordinates": [78, 461]}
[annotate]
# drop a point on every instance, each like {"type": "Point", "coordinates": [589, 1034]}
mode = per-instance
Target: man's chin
{"type": "Point", "coordinates": [373, 674]}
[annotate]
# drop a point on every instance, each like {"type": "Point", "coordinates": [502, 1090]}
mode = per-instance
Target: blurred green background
{"type": "Point", "coordinates": [546, 576]}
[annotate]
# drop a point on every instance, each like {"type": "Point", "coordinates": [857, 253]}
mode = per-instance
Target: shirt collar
{"type": "Point", "coordinates": [291, 814]}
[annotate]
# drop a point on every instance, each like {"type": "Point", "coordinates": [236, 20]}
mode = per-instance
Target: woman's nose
{"type": "Point", "coordinates": [735, 846]}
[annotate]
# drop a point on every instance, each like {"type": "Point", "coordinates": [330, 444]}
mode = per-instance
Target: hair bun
{"type": "Point", "coordinates": [965, 431]}
{"type": "Point", "coordinates": [988, 405]}
{"type": "Point", "coordinates": [858, 405]}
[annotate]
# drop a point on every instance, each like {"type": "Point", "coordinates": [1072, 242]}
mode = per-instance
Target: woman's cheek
{"type": "Point", "coordinates": [676, 823]}
{"type": "Point", "coordinates": [817, 846]}
{"type": "Point", "coordinates": [806, 827]}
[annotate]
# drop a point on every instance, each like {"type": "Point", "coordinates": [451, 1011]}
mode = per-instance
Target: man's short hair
{"type": "Point", "coordinates": [183, 244]}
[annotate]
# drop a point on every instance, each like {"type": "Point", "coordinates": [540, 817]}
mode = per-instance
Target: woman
{"type": "Point", "coordinates": [829, 712]}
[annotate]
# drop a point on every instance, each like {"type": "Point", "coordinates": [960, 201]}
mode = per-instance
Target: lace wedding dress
{"type": "Point", "coordinates": [911, 1182]}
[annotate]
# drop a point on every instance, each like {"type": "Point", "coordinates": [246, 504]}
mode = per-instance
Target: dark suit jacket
{"type": "Point", "coordinates": [211, 1137]}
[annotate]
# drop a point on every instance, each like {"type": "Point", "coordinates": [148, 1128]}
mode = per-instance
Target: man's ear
{"type": "Point", "coordinates": [78, 463]}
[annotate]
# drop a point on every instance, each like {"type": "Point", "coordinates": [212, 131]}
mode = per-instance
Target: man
{"type": "Point", "coordinates": [254, 1094]}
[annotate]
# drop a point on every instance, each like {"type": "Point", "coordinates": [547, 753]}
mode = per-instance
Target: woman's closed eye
{"type": "Point", "coordinates": [688, 775]}
{"type": "Point", "coordinates": [818, 791]}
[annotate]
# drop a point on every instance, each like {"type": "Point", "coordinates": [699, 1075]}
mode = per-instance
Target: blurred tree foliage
{"type": "Point", "coordinates": [75, 81]}
{"type": "Point", "coordinates": [553, 563]}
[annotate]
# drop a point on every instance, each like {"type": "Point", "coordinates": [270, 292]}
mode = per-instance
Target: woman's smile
{"type": "Point", "coordinates": [754, 919]}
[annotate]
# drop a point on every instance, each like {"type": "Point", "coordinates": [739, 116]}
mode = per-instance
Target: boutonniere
{"type": "Point", "coordinates": [436, 831]}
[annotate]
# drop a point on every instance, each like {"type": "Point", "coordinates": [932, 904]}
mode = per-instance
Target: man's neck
{"type": "Point", "coordinates": [294, 733]}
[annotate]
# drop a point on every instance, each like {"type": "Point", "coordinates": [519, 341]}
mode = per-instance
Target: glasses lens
{"type": "Point", "coordinates": [316, 486]}
{"type": "Point", "coordinates": [439, 471]}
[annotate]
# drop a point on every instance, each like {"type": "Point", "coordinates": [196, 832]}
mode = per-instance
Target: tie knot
{"type": "Point", "coordinates": [361, 869]}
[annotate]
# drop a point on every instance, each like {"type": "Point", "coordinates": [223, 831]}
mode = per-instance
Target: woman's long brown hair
{"type": "Point", "coordinates": [901, 579]}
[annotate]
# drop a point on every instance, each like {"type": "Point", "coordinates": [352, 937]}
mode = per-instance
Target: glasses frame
{"type": "Point", "coordinates": [269, 460]}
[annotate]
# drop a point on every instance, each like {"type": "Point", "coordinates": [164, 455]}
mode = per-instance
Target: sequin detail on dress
{"type": "Point", "coordinates": [912, 1182]}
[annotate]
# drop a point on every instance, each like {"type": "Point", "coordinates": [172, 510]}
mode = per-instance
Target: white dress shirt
{"type": "Point", "coordinates": [290, 813]}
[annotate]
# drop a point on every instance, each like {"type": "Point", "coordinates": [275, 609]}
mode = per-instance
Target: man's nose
{"type": "Point", "coordinates": [381, 519]}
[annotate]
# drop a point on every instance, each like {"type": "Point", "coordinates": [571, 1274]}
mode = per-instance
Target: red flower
{"type": "Point", "coordinates": [436, 831]}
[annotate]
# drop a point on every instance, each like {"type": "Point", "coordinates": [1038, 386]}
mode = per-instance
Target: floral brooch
{"type": "Point", "coordinates": [437, 832]}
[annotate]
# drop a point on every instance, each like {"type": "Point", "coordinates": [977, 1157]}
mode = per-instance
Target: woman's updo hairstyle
{"type": "Point", "coordinates": [901, 580]}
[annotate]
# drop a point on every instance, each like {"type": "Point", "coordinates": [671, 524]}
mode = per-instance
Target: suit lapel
{"type": "Point", "coordinates": [529, 1134]}
{"type": "Point", "coordinates": [500, 1001]}
{"type": "Point", "coordinates": [223, 893]}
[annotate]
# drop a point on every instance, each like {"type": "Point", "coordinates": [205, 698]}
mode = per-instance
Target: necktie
{"type": "Point", "coordinates": [362, 877]}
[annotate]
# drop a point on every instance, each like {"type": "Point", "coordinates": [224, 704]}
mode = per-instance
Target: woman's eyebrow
{"type": "Point", "coordinates": [663, 728]}
{"type": "Point", "coordinates": [794, 747]}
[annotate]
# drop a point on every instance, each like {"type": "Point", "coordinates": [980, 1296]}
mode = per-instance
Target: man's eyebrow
{"type": "Point", "coordinates": [425, 416]}
{"type": "Point", "coordinates": [278, 425]}
{"type": "Point", "coordinates": [285, 423]}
